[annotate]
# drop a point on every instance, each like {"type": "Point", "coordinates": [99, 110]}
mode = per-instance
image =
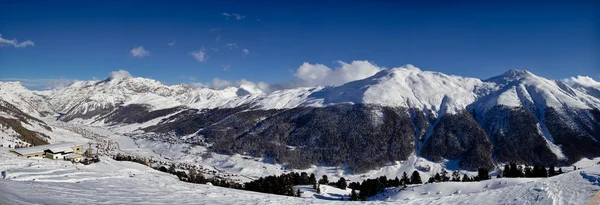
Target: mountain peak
{"type": "Point", "coordinates": [510, 76]}
{"type": "Point", "coordinates": [517, 73]}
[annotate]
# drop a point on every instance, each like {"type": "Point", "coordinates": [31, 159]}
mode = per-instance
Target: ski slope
{"type": "Point", "coordinates": [43, 181]}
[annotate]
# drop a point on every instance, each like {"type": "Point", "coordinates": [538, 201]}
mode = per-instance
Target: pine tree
{"type": "Point", "coordinates": [551, 171]}
{"type": "Point", "coordinates": [483, 174]}
{"type": "Point", "coordinates": [455, 176]}
{"type": "Point", "coordinates": [528, 172]}
{"type": "Point", "coordinates": [560, 171]}
{"type": "Point", "coordinates": [466, 178]}
{"type": "Point", "coordinates": [437, 178]}
{"type": "Point", "coordinates": [444, 175]}
{"type": "Point", "coordinates": [396, 182]}
{"type": "Point", "coordinates": [324, 180]}
{"type": "Point", "coordinates": [312, 179]}
{"type": "Point", "coordinates": [506, 171]}
{"type": "Point", "coordinates": [415, 178]}
{"type": "Point", "coordinates": [304, 179]}
{"type": "Point", "coordinates": [341, 183]}
{"type": "Point", "coordinates": [318, 188]}
{"type": "Point", "coordinates": [353, 195]}
{"type": "Point", "coordinates": [405, 179]}
{"type": "Point", "coordinates": [431, 180]}
{"type": "Point", "coordinates": [298, 193]}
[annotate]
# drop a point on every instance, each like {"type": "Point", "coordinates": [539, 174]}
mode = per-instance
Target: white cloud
{"type": "Point", "coordinates": [120, 74]}
{"type": "Point", "coordinates": [245, 52]}
{"type": "Point", "coordinates": [306, 75]}
{"type": "Point", "coordinates": [188, 78]}
{"type": "Point", "coordinates": [200, 55]}
{"type": "Point", "coordinates": [172, 43]}
{"type": "Point", "coordinates": [583, 80]}
{"type": "Point", "coordinates": [219, 84]}
{"type": "Point", "coordinates": [15, 43]}
{"type": "Point", "coordinates": [231, 45]}
{"type": "Point", "coordinates": [139, 52]}
{"type": "Point", "coordinates": [238, 17]}
{"type": "Point", "coordinates": [227, 15]}
{"type": "Point", "coordinates": [252, 87]}
{"type": "Point", "coordinates": [318, 74]}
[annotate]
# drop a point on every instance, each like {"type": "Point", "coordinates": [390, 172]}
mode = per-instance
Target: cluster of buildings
{"type": "Point", "coordinates": [61, 151]}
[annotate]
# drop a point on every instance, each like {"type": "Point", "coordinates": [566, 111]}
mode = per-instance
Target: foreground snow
{"type": "Point", "coordinates": [42, 181]}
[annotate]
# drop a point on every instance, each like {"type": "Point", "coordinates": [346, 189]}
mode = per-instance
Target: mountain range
{"type": "Point", "coordinates": [363, 124]}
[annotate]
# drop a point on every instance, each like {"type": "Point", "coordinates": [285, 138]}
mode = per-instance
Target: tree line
{"type": "Point", "coordinates": [513, 170]}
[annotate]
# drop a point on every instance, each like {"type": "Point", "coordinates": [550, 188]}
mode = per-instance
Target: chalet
{"type": "Point", "coordinates": [50, 151]}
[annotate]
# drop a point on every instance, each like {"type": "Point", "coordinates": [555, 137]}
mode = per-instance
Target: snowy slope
{"type": "Point", "coordinates": [112, 182]}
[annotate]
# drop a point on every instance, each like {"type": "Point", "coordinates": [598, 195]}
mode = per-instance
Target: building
{"type": "Point", "coordinates": [76, 158]}
{"type": "Point", "coordinates": [50, 151]}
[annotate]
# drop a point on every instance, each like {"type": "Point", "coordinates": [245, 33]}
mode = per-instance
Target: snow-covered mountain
{"type": "Point", "coordinates": [516, 116]}
{"type": "Point", "coordinates": [26, 100]}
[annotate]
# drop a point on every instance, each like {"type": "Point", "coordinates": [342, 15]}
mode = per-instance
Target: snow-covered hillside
{"type": "Point", "coordinates": [43, 181]}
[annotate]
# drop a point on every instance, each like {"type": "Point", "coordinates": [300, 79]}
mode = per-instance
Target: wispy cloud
{"type": "Point", "coordinates": [227, 15]}
{"type": "Point", "coordinates": [188, 78]}
{"type": "Point", "coordinates": [226, 67]}
{"type": "Point", "coordinates": [200, 55]}
{"type": "Point", "coordinates": [42, 83]}
{"type": "Point", "coordinates": [245, 52]}
{"type": "Point", "coordinates": [214, 29]}
{"type": "Point", "coordinates": [218, 38]}
{"type": "Point", "coordinates": [239, 17]}
{"type": "Point", "coordinates": [231, 45]}
{"type": "Point", "coordinates": [172, 43]}
{"type": "Point", "coordinates": [236, 16]}
{"type": "Point", "coordinates": [15, 43]}
{"type": "Point", "coordinates": [139, 52]}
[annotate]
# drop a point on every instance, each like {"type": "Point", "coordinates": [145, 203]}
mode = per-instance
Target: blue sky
{"type": "Point", "coordinates": [86, 39]}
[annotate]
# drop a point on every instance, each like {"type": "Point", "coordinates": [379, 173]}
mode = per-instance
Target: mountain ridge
{"type": "Point", "coordinates": [516, 116]}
